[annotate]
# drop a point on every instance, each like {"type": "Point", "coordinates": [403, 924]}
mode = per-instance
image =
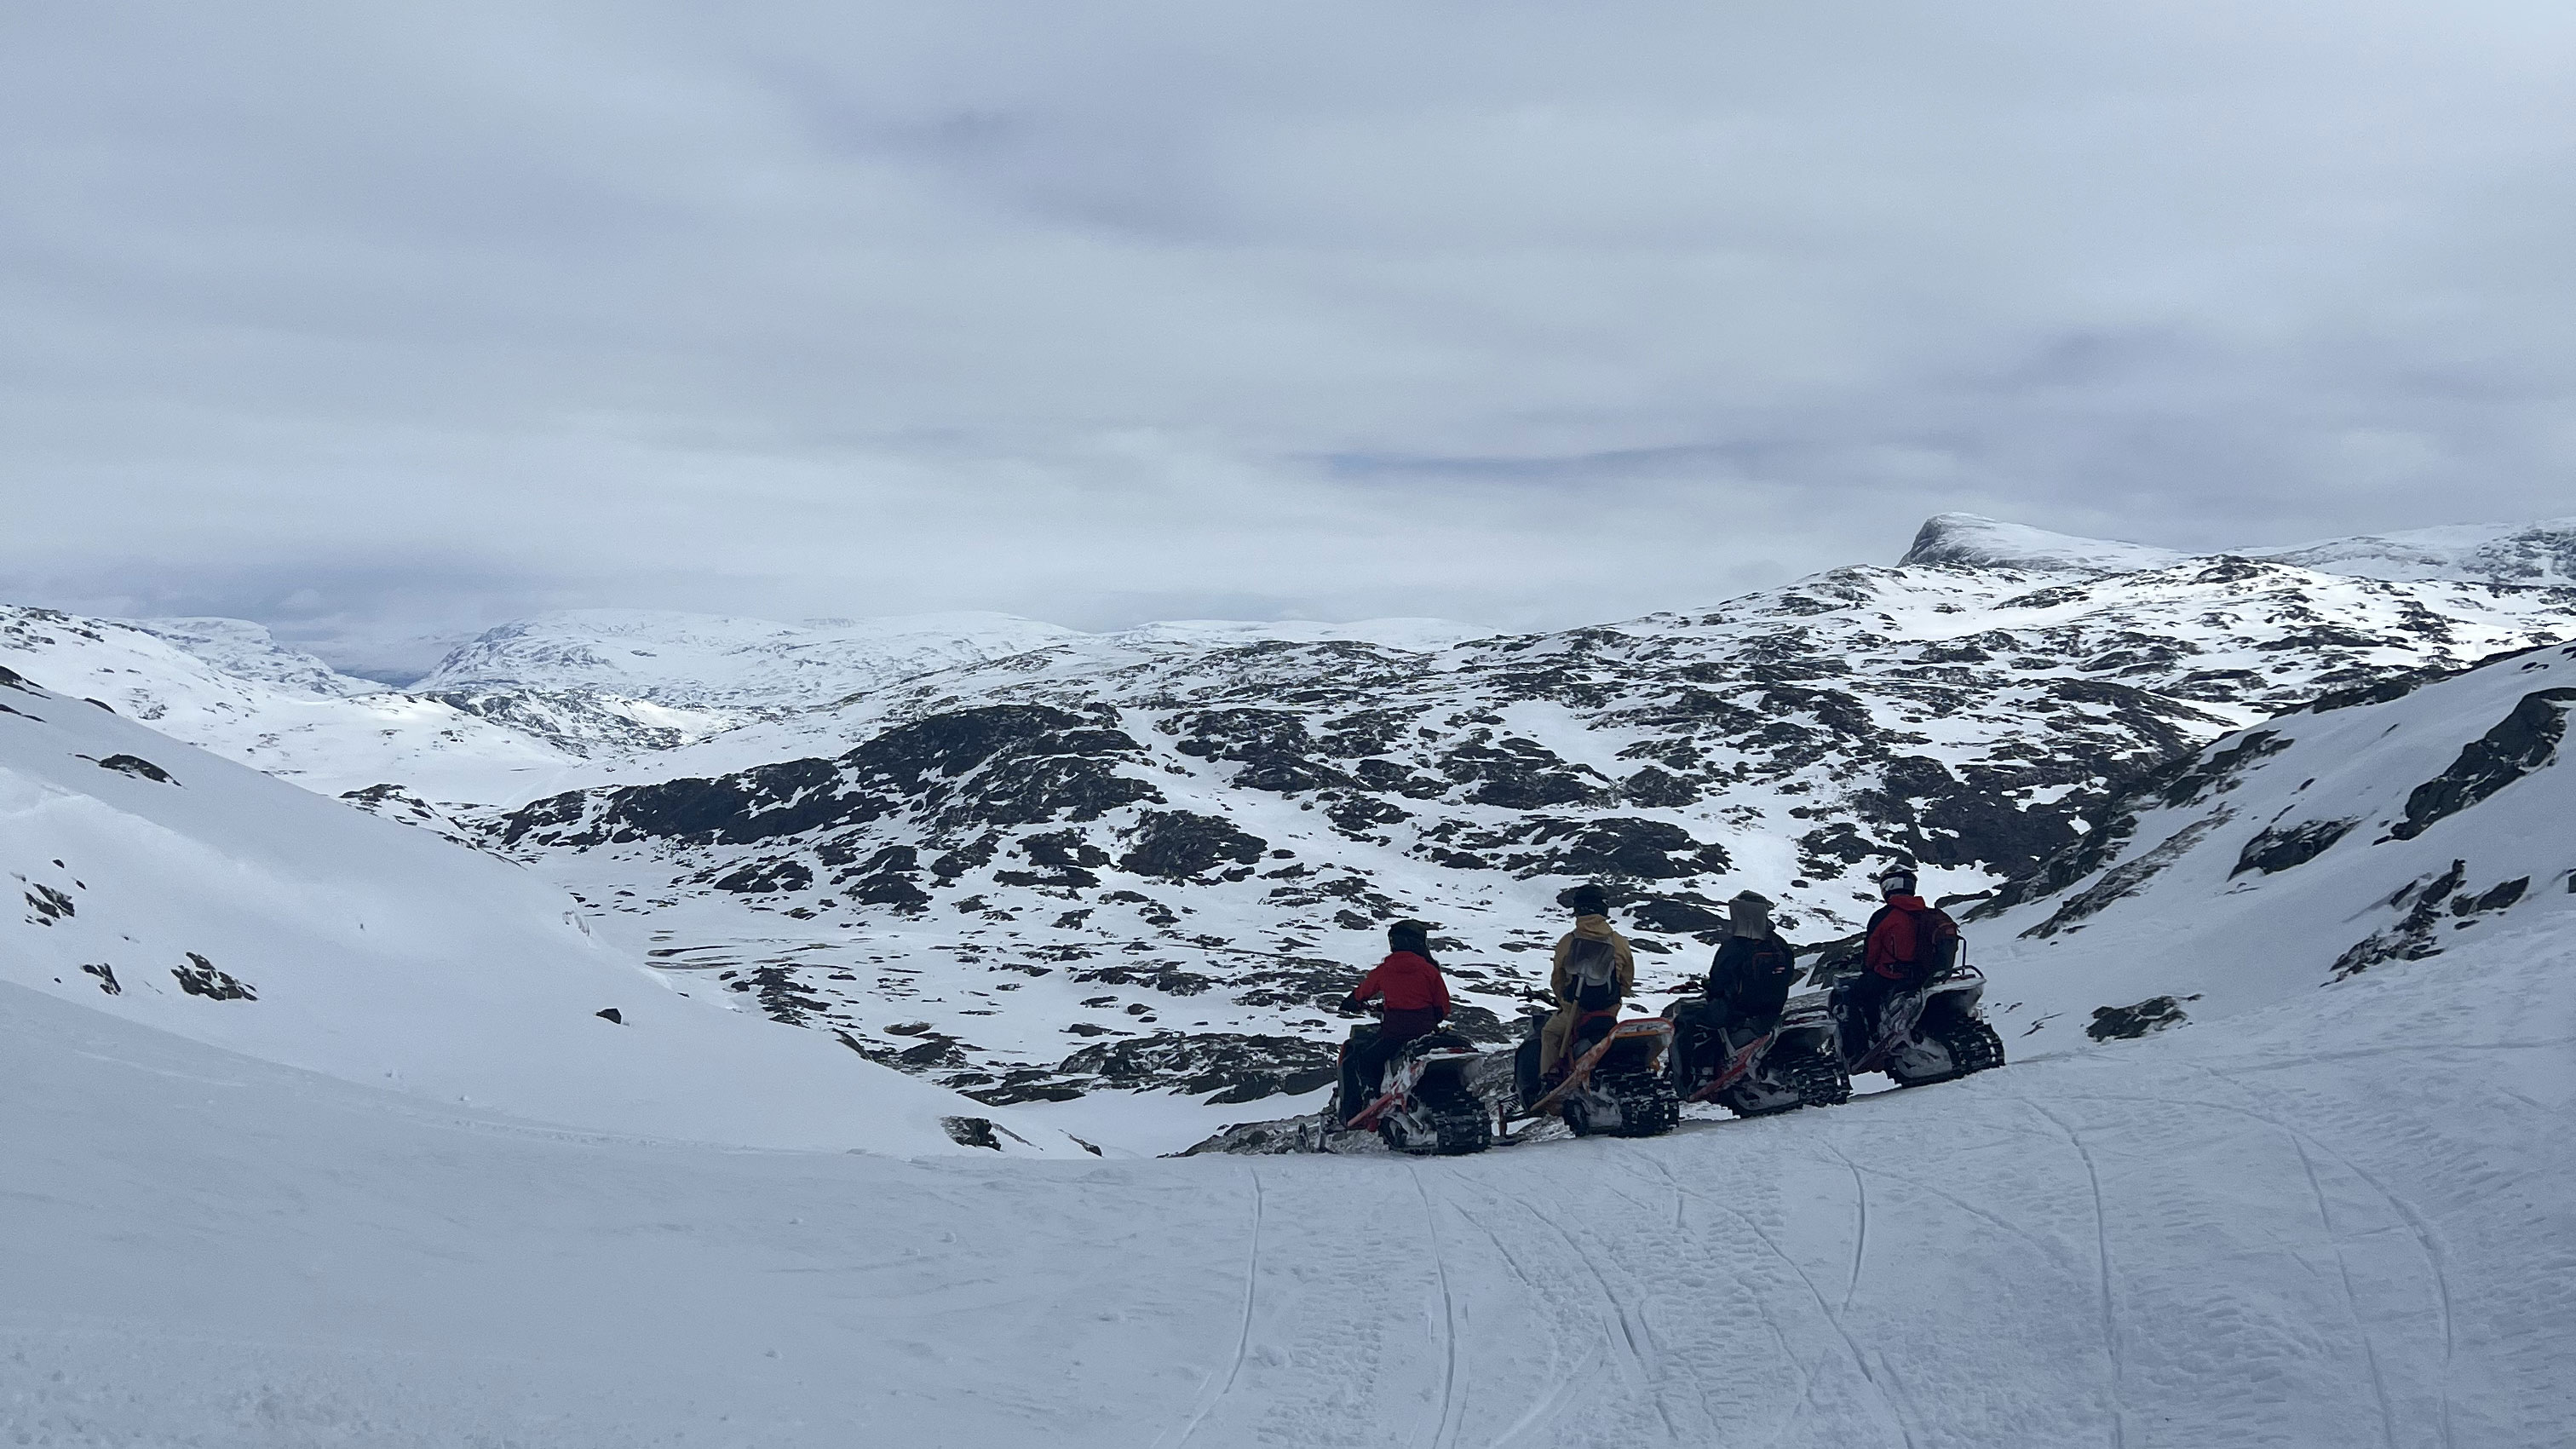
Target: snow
{"type": "Point", "coordinates": [2223, 938]}
{"type": "Point", "coordinates": [379, 953]}
{"type": "Point", "coordinates": [1970, 540]}
{"type": "Point", "coordinates": [1418, 636]}
{"type": "Point", "coordinates": [2526, 554]}
{"type": "Point", "coordinates": [202, 685]}
{"type": "Point", "coordinates": [246, 650]}
{"type": "Point", "coordinates": [2340, 1220]}
{"type": "Point", "coordinates": [719, 661]}
{"type": "Point", "coordinates": [2541, 553]}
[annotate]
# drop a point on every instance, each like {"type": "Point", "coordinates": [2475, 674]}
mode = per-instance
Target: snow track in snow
{"type": "Point", "coordinates": [2307, 1225]}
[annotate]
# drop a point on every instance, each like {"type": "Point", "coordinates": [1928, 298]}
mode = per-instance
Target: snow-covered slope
{"type": "Point", "coordinates": [2373, 828]}
{"type": "Point", "coordinates": [210, 684]}
{"type": "Point", "coordinates": [2541, 554]}
{"type": "Point", "coordinates": [245, 650]}
{"type": "Point", "coordinates": [167, 887]}
{"type": "Point", "coordinates": [2347, 1219]}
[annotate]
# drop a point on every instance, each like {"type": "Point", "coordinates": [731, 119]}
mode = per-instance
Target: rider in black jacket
{"type": "Point", "coordinates": [1748, 983]}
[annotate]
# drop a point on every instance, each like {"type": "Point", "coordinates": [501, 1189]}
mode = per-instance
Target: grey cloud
{"type": "Point", "coordinates": [1526, 314]}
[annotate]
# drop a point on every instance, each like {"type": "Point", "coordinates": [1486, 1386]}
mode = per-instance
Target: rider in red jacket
{"type": "Point", "coordinates": [1408, 981]}
{"type": "Point", "coordinates": [1902, 945]}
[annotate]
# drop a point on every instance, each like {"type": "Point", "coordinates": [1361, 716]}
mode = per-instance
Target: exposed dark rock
{"type": "Point", "coordinates": [1656, 789]}
{"type": "Point", "coordinates": [767, 877]}
{"type": "Point", "coordinates": [612, 1016]}
{"type": "Point", "coordinates": [1179, 845]}
{"type": "Point", "coordinates": [2414, 936]}
{"type": "Point", "coordinates": [49, 905]}
{"type": "Point", "coordinates": [12, 679]}
{"type": "Point", "coordinates": [974, 855]}
{"type": "Point", "coordinates": [200, 978]}
{"type": "Point", "coordinates": [2124, 879]}
{"type": "Point", "coordinates": [1238, 1068]}
{"type": "Point", "coordinates": [1386, 775]}
{"type": "Point", "coordinates": [1357, 814]}
{"type": "Point", "coordinates": [2520, 743]}
{"type": "Point", "coordinates": [106, 975]}
{"type": "Point", "coordinates": [995, 765]}
{"type": "Point", "coordinates": [980, 1132]}
{"type": "Point", "coordinates": [782, 998]}
{"type": "Point", "coordinates": [2494, 898]}
{"type": "Point", "coordinates": [2123, 1023]}
{"type": "Point", "coordinates": [137, 766]}
{"type": "Point", "coordinates": [1677, 916]}
{"type": "Point", "coordinates": [1162, 976]}
{"type": "Point", "coordinates": [1932, 817]}
{"type": "Point", "coordinates": [1518, 774]}
{"type": "Point", "coordinates": [2275, 849]}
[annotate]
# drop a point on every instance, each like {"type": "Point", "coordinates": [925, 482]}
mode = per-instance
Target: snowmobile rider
{"type": "Point", "coordinates": [1748, 981]}
{"type": "Point", "coordinates": [1595, 971]}
{"type": "Point", "coordinates": [1906, 940]}
{"type": "Point", "coordinates": [1417, 1000]}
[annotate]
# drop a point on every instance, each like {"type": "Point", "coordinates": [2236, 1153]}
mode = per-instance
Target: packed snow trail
{"type": "Point", "coordinates": [2345, 1221]}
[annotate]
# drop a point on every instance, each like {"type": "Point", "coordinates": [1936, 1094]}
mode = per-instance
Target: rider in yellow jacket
{"type": "Point", "coordinates": [1591, 939]}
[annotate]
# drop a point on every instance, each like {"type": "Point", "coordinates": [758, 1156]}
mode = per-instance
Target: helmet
{"type": "Point", "coordinates": [1896, 880]}
{"type": "Point", "coordinates": [1414, 936]}
{"type": "Point", "coordinates": [1586, 900]}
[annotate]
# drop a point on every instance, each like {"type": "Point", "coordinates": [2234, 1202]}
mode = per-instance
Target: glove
{"type": "Point", "coordinates": [1350, 1006]}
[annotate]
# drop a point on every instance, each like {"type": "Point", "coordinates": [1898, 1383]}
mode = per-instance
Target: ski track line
{"type": "Point", "coordinates": [1677, 1243]}
{"type": "Point", "coordinates": [2427, 1240]}
{"type": "Point", "coordinates": [1566, 1384]}
{"type": "Point", "coordinates": [1243, 1334]}
{"type": "Point", "coordinates": [1961, 1203]}
{"type": "Point", "coordinates": [1851, 1345]}
{"type": "Point", "coordinates": [1860, 1236]}
{"type": "Point", "coordinates": [1645, 1373]}
{"type": "Point", "coordinates": [1683, 1238]}
{"type": "Point", "coordinates": [2351, 1303]}
{"type": "Point", "coordinates": [1448, 1312]}
{"type": "Point", "coordinates": [2102, 1251]}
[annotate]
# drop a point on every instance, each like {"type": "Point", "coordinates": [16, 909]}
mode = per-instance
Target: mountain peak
{"type": "Point", "coordinates": [1973, 540]}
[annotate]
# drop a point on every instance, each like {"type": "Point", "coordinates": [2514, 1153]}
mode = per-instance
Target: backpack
{"type": "Point", "coordinates": [1758, 983]}
{"type": "Point", "coordinates": [1936, 944]}
{"type": "Point", "coordinates": [1592, 969]}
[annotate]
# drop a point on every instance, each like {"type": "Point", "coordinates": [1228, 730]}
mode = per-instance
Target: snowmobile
{"type": "Point", "coordinates": [1617, 1083]}
{"type": "Point", "coordinates": [1933, 1033]}
{"type": "Point", "coordinates": [1425, 1105]}
{"type": "Point", "coordinates": [1797, 1062]}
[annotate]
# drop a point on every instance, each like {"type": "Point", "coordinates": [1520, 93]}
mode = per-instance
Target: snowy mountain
{"type": "Point", "coordinates": [211, 684]}
{"type": "Point", "coordinates": [2539, 554]}
{"type": "Point", "coordinates": [169, 888]}
{"type": "Point", "coordinates": [2378, 826]}
{"type": "Point", "coordinates": [244, 650]}
{"type": "Point", "coordinates": [1076, 871]}
{"type": "Point", "coordinates": [714, 662]}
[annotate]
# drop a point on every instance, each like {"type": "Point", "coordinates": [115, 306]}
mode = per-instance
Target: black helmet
{"type": "Point", "coordinates": [1413, 936]}
{"type": "Point", "coordinates": [1586, 900]}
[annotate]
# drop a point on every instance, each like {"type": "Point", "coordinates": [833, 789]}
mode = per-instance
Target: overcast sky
{"type": "Point", "coordinates": [370, 321]}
